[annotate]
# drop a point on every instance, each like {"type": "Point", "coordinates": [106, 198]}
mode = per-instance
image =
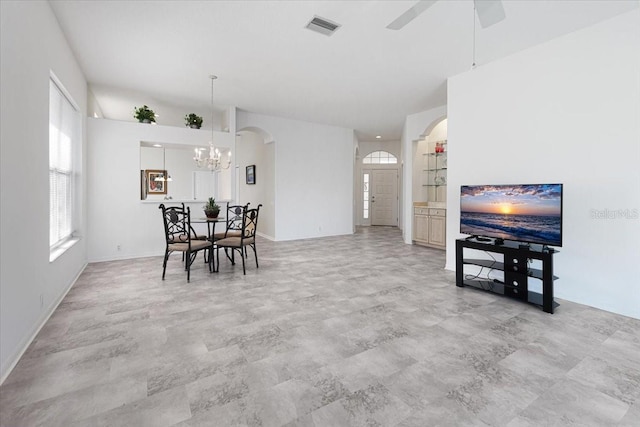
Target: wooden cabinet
{"type": "Point", "coordinates": [430, 226]}
{"type": "Point", "coordinates": [421, 225]}
{"type": "Point", "coordinates": [437, 228]}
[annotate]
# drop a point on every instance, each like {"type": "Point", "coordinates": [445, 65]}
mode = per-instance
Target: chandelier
{"type": "Point", "coordinates": [214, 161]}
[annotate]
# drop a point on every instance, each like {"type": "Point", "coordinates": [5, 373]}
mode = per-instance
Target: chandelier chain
{"type": "Point", "coordinates": [214, 162]}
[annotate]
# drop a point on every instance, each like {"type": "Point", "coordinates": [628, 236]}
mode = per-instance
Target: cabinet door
{"type": "Point", "coordinates": [422, 228]}
{"type": "Point", "coordinates": [437, 228]}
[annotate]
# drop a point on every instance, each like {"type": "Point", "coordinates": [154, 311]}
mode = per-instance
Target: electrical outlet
{"type": "Point", "coordinates": [41, 300]}
{"type": "Point", "coordinates": [118, 247]}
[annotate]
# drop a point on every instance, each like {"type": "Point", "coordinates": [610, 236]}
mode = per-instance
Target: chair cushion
{"type": "Point", "coordinates": [230, 233]}
{"type": "Point", "coordinates": [196, 245]}
{"type": "Point", "coordinates": [234, 242]}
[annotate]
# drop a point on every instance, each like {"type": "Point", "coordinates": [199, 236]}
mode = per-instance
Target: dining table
{"type": "Point", "coordinates": [211, 230]}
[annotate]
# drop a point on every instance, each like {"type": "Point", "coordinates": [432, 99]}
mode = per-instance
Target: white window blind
{"type": "Point", "coordinates": [64, 125]}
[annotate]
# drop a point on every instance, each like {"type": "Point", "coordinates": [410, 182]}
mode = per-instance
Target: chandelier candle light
{"type": "Point", "coordinates": [214, 162]}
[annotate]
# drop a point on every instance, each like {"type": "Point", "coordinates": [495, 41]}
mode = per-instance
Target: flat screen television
{"type": "Point", "coordinates": [524, 213]}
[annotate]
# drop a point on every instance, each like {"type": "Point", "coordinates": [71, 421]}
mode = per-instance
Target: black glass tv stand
{"type": "Point", "coordinates": [515, 266]}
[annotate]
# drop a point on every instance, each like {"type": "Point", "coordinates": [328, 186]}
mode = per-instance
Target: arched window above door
{"type": "Point", "coordinates": [380, 157]}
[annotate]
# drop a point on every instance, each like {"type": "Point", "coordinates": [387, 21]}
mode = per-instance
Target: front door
{"type": "Point", "coordinates": [384, 197]}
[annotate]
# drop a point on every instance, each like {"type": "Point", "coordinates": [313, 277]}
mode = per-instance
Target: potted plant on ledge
{"type": "Point", "coordinates": [211, 209]}
{"type": "Point", "coordinates": [144, 114]}
{"type": "Point", "coordinates": [193, 121]}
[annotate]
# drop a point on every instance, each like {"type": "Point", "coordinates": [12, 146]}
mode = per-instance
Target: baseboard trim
{"type": "Point", "coordinates": [126, 256]}
{"type": "Point", "coordinates": [266, 236]}
{"type": "Point", "coordinates": [13, 361]}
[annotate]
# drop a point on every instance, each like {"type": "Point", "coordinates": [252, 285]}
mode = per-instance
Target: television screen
{"type": "Point", "coordinates": [524, 213]}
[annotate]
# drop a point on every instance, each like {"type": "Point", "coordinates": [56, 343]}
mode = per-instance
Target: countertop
{"type": "Point", "coordinates": [438, 205]}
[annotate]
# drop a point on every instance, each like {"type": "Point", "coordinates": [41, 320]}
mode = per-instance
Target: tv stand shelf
{"type": "Point", "coordinates": [531, 272]}
{"type": "Point", "coordinates": [516, 271]}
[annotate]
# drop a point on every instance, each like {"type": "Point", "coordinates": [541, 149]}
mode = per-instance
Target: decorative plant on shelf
{"type": "Point", "coordinates": [192, 120]}
{"type": "Point", "coordinates": [144, 114]}
{"type": "Point", "coordinates": [211, 209]}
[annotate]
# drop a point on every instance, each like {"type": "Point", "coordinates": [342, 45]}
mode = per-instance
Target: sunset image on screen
{"type": "Point", "coordinates": [530, 213]}
{"type": "Point", "coordinates": [512, 200]}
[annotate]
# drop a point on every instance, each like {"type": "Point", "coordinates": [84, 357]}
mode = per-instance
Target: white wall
{"type": "Point", "coordinates": [252, 150]}
{"type": "Point", "coordinates": [93, 108]}
{"type": "Point", "coordinates": [32, 45]}
{"type": "Point", "coordinates": [313, 176]}
{"type": "Point", "coordinates": [368, 147]}
{"type": "Point", "coordinates": [414, 127]}
{"type": "Point", "coordinates": [116, 216]}
{"type": "Point", "coordinates": [567, 111]}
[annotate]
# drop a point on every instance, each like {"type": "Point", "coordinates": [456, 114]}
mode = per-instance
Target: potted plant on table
{"type": "Point", "coordinates": [211, 209]}
{"type": "Point", "coordinates": [144, 114]}
{"type": "Point", "coordinates": [192, 120]}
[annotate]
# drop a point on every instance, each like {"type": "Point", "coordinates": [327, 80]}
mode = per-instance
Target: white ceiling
{"type": "Point", "coordinates": [364, 77]}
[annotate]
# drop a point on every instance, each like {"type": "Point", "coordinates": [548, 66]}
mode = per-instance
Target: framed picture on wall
{"type": "Point", "coordinates": [251, 174]}
{"type": "Point", "coordinates": [153, 186]}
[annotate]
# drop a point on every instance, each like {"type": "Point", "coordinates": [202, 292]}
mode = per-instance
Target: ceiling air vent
{"type": "Point", "coordinates": [322, 26]}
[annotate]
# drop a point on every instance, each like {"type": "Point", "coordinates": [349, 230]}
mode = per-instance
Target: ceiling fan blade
{"type": "Point", "coordinates": [489, 12]}
{"type": "Point", "coordinates": [411, 14]}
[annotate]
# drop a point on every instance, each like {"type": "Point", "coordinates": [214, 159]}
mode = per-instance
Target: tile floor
{"type": "Point", "coordinates": [358, 330]}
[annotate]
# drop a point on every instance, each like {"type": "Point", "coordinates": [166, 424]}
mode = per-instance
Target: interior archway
{"type": "Point", "coordinates": [266, 136]}
{"type": "Point", "coordinates": [433, 124]}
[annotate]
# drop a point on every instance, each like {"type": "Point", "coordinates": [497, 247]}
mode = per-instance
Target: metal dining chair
{"type": "Point", "coordinates": [180, 237]}
{"type": "Point", "coordinates": [247, 238]}
{"type": "Point", "coordinates": [233, 222]}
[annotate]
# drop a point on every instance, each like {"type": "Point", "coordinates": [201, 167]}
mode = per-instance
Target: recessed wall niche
{"type": "Point", "coordinates": [188, 182]}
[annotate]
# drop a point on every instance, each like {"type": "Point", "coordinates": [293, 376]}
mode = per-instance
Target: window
{"type": "Point", "coordinates": [64, 141]}
{"type": "Point", "coordinates": [380, 157]}
{"type": "Point", "coordinates": [365, 188]}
